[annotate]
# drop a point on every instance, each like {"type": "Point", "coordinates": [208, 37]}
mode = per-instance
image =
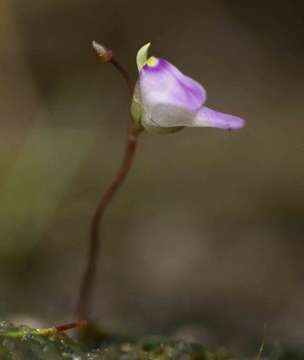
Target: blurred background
{"type": "Point", "coordinates": [205, 240]}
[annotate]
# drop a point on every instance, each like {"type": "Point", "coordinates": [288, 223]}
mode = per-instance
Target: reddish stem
{"type": "Point", "coordinates": [123, 73]}
{"type": "Point", "coordinates": [94, 250]}
{"type": "Point", "coordinates": [86, 288]}
{"type": "Point", "coordinates": [71, 326]}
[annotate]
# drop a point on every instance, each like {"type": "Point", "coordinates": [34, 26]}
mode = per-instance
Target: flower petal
{"type": "Point", "coordinates": [162, 83]}
{"type": "Point", "coordinates": [167, 116]}
{"type": "Point", "coordinates": [211, 118]}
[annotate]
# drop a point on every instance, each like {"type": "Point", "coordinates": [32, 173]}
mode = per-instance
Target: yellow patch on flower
{"type": "Point", "coordinates": [152, 61]}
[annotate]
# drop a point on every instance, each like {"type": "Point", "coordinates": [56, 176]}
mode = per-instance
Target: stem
{"type": "Point", "coordinates": [89, 276]}
{"type": "Point", "coordinates": [44, 331]}
{"type": "Point", "coordinates": [93, 256]}
{"type": "Point", "coordinates": [71, 326]}
{"type": "Point", "coordinates": [124, 74]}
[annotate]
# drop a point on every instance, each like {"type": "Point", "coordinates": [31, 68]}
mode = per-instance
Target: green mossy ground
{"type": "Point", "coordinates": [24, 343]}
{"type": "Point", "coordinates": [18, 343]}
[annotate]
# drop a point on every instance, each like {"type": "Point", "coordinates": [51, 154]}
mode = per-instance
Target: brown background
{"type": "Point", "coordinates": [206, 238]}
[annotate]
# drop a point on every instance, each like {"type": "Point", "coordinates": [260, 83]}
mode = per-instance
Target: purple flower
{"type": "Point", "coordinates": [166, 100]}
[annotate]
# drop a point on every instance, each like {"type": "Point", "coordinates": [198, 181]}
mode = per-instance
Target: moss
{"type": "Point", "coordinates": [23, 343]}
{"type": "Point", "coordinates": [31, 344]}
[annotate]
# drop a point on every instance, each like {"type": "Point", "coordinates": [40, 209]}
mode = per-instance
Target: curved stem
{"type": "Point", "coordinates": [86, 288]}
{"type": "Point", "coordinates": [93, 256]}
{"type": "Point", "coordinates": [123, 73]}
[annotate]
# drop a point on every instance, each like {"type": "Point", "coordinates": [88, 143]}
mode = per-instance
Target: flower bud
{"type": "Point", "coordinates": [102, 52]}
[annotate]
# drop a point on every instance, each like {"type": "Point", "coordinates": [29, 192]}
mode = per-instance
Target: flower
{"type": "Point", "coordinates": [166, 100]}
